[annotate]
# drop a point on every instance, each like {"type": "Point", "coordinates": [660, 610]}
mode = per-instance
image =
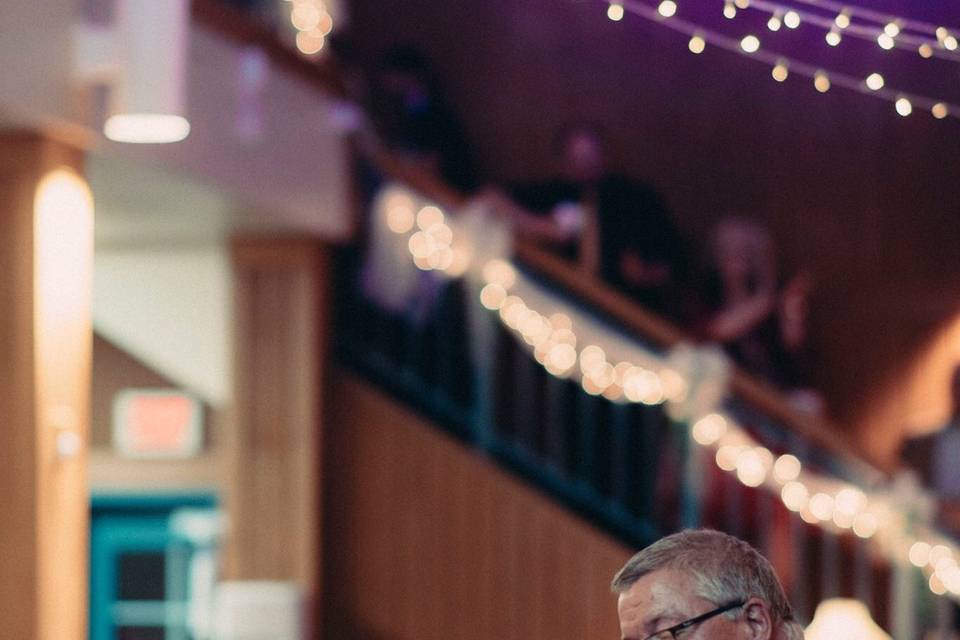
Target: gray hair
{"type": "Point", "coordinates": [725, 568]}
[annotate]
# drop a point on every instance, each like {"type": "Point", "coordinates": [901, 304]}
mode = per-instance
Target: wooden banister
{"type": "Point", "coordinates": [240, 27]}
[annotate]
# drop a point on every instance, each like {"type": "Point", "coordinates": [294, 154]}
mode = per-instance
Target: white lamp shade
{"type": "Point", "coordinates": [840, 618]}
{"type": "Point", "coordinates": [147, 100]}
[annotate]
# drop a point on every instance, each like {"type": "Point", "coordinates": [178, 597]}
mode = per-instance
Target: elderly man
{"type": "Point", "coordinates": [702, 584]}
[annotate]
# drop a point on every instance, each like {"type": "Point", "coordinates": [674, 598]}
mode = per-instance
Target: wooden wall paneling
{"type": "Point", "coordinates": [426, 539]}
{"type": "Point", "coordinates": [45, 358]}
{"type": "Point", "coordinates": [273, 497]}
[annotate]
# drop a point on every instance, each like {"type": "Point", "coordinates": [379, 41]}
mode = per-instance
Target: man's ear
{"type": "Point", "coordinates": [756, 615]}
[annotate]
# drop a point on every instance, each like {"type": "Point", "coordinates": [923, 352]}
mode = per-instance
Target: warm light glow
{"type": "Point", "coordinates": [398, 207]}
{"type": "Point", "coordinates": [615, 12]}
{"type": "Point", "coordinates": [591, 357]}
{"type": "Point", "coordinates": [885, 41]}
{"type": "Point", "coordinates": [421, 245]}
{"type": "Point", "coordinates": [842, 20]}
{"type": "Point", "coordinates": [492, 296]}
{"type": "Point", "coordinates": [850, 501]}
{"type": "Point", "coordinates": [310, 42]}
{"type": "Point", "coordinates": [840, 618]}
{"type": "Point", "coordinates": [146, 128]}
{"type": "Point", "coordinates": [429, 216]}
{"type": "Point", "coordinates": [326, 23]}
{"type": "Point", "coordinates": [742, 4]}
{"type": "Point", "coordinates": [833, 37]}
{"type": "Point", "coordinates": [875, 81]}
{"type": "Point", "coordinates": [697, 44]}
{"type": "Point", "coordinates": [786, 468]}
{"type": "Point", "coordinates": [892, 29]}
{"type": "Point", "coordinates": [904, 107]}
{"type": "Point", "coordinates": [780, 71]}
{"type": "Point", "coordinates": [729, 11]}
{"type": "Point", "coordinates": [750, 468]}
{"type": "Point", "coordinates": [642, 385]}
{"type": "Point", "coordinates": [305, 16]}
{"type": "Point", "coordinates": [561, 358]}
{"type": "Point", "coordinates": [919, 554]}
{"type": "Point", "coordinates": [709, 429]}
{"type": "Point", "coordinates": [821, 505]}
{"type": "Point", "coordinates": [821, 81]}
{"type": "Point", "coordinates": [674, 386]}
{"type": "Point", "coordinates": [750, 44]}
{"type": "Point", "coordinates": [942, 34]}
{"type": "Point", "coordinates": [795, 496]}
{"type": "Point", "coordinates": [950, 43]}
{"type": "Point", "coordinates": [937, 586]}
{"type": "Point", "coordinates": [791, 19]}
{"type": "Point", "coordinates": [938, 553]}
{"type": "Point", "coordinates": [727, 457]}
{"type": "Point", "coordinates": [63, 219]}
{"type": "Point", "coordinates": [775, 22]}
{"type": "Point", "coordinates": [939, 111]}
{"type": "Point", "coordinates": [500, 272]}
{"type": "Point", "coordinates": [925, 50]}
{"type": "Point", "coordinates": [865, 525]}
{"type": "Point", "coordinates": [667, 8]}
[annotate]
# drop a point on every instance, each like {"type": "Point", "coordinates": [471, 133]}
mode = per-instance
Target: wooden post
{"type": "Point", "coordinates": [274, 490]}
{"type": "Point", "coordinates": [46, 265]}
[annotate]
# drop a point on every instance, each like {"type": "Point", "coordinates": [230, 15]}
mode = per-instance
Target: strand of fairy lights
{"type": "Point", "coordinates": [832, 504]}
{"type": "Point", "coordinates": [875, 16]}
{"type": "Point", "coordinates": [782, 66]}
{"type": "Point", "coordinates": [888, 34]}
{"type": "Point", "coordinates": [313, 23]}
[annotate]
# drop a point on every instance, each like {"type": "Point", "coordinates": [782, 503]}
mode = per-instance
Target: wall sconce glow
{"type": "Point", "coordinates": [791, 19]}
{"type": "Point", "coordinates": [63, 221]}
{"type": "Point", "coordinates": [146, 128]}
{"type": "Point", "coordinates": [697, 44]}
{"type": "Point", "coordinates": [667, 8]}
{"type": "Point", "coordinates": [750, 44]}
{"type": "Point", "coordinates": [904, 107]}
{"type": "Point", "coordinates": [842, 618]}
{"type": "Point", "coordinates": [615, 12]}
{"type": "Point", "coordinates": [874, 81]}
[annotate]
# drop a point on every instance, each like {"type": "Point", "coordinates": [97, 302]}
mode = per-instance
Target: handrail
{"type": "Point", "coordinates": [234, 24]}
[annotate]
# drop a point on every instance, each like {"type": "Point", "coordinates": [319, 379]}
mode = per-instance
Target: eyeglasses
{"type": "Point", "coordinates": [675, 632]}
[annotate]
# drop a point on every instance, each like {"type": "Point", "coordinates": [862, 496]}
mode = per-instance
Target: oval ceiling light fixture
{"type": "Point", "coordinates": [147, 99]}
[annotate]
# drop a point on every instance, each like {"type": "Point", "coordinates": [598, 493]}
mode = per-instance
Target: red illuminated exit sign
{"type": "Point", "coordinates": [157, 423]}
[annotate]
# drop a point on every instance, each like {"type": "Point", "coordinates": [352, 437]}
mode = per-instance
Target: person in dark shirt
{"type": "Point", "coordinates": [615, 228]}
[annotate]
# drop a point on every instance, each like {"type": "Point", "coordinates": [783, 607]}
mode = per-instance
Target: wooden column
{"type": "Point", "coordinates": [46, 264]}
{"type": "Point", "coordinates": [274, 498]}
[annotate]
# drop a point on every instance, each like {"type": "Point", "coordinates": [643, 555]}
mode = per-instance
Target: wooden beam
{"type": "Point", "coordinates": [46, 264]}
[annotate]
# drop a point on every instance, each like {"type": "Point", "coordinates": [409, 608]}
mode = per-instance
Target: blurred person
{"type": "Point", "coordinates": [702, 584]}
{"type": "Point", "coordinates": [762, 326]}
{"type": "Point", "coordinates": [615, 228]}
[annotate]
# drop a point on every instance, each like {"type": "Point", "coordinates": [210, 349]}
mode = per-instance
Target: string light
{"type": "Point", "coordinates": [892, 29]}
{"type": "Point", "coordinates": [791, 19]}
{"type": "Point", "coordinates": [925, 50]}
{"type": "Point", "coordinates": [874, 82]}
{"type": "Point", "coordinates": [742, 4]}
{"type": "Point", "coordinates": [750, 44]}
{"type": "Point", "coordinates": [904, 107]}
{"type": "Point", "coordinates": [615, 11]}
{"type": "Point", "coordinates": [833, 37]}
{"type": "Point", "coordinates": [886, 41]}
{"type": "Point", "coordinates": [780, 71]}
{"type": "Point", "coordinates": [729, 10]}
{"type": "Point", "coordinates": [823, 79]}
{"type": "Point", "coordinates": [697, 44]}
{"type": "Point", "coordinates": [313, 23]}
{"type": "Point", "coordinates": [843, 19]}
{"type": "Point", "coordinates": [667, 8]}
{"type": "Point", "coordinates": [775, 21]}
